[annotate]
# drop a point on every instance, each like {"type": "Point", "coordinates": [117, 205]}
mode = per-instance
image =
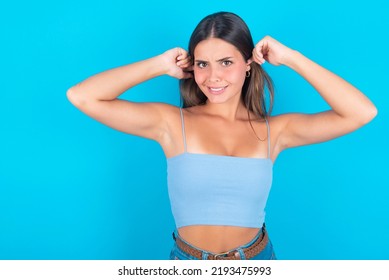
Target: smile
{"type": "Point", "coordinates": [217, 90]}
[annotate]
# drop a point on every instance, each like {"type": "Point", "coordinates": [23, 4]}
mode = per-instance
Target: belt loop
{"type": "Point", "coordinates": [204, 256]}
{"type": "Point", "coordinates": [241, 253]}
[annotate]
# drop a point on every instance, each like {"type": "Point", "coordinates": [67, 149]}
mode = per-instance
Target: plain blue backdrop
{"type": "Point", "coordinates": [72, 188]}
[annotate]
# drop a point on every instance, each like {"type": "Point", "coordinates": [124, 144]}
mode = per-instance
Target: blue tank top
{"type": "Point", "coordinates": [206, 189]}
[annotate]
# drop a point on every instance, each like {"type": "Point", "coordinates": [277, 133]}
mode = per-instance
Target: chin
{"type": "Point", "coordinates": [220, 99]}
{"type": "Point", "coordinates": [216, 101]}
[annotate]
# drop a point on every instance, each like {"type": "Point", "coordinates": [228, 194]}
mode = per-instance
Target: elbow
{"type": "Point", "coordinates": [369, 115]}
{"type": "Point", "coordinates": [373, 111]}
{"type": "Point", "coordinates": [74, 97]}
{"type": "Point", "coordinates": [70, 94]}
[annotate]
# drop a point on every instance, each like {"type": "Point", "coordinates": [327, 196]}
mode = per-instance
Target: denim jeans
{"type": "Point", "coordinates": [266, 254]}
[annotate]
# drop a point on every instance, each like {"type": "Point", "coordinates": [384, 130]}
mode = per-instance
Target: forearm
{"type": "Point", "coordinates": [344, 99]}
{"type": "Point", "coordinates": [109, 84]}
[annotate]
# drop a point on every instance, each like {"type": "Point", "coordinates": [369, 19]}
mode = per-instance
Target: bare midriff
{"type": "Point", "coordinates": [217, 239]}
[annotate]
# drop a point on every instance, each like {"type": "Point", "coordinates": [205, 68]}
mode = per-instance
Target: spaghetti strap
{"type": "Point", "coordinates": [183, 129]}
{"type": "Point", "coordinates": [268, 138]}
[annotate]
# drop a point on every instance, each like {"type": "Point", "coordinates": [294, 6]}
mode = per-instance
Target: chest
{"type": "Point", "coordinates": [240, 138]}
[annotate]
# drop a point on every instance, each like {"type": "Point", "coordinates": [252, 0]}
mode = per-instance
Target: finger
{"type": "Point", "coordinates": [259, 46]}
{"type": "Point", "coordinates": [255, 58]}
{"type": "Point", "coordinates": [262, 60]}
{"type": "Point", "coordinates": [258, 51]}
{"type": "Point", "coordinates": [185, 59]}
{"type": "Point", "coordinates": [181, 53]}
{"type": "Point", "coordinates": [262, 47]}
{"type": "Point", "coordinates": [184, 62]}
{"type": "Point", "coordinates": [186, 67]}
{"type": "Point", "coordinates": [261, 52]}
{"type": "Point", "coordinates": [258, 59]}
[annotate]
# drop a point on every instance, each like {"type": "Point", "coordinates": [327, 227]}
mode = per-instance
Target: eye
{"type": "Point", "coordinates": [201, 64]}
{"type": "Point", "coordinates": [226, 62]}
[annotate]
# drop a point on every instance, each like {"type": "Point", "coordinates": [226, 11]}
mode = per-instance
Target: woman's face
{"type": "Point", "coordinates": [219, 70]}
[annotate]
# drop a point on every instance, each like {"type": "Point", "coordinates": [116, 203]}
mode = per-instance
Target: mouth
{"type": "Point", "coordinates": [217, 90]}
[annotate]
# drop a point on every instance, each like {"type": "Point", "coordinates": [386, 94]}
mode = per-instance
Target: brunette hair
{"type": "Point", "coordinates": [232, 29]}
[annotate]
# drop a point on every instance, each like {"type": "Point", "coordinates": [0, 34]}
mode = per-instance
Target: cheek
{"type": "Point", "coordinates": [237, 77]}
{"type": "Point", "coordinates": [199, 77]}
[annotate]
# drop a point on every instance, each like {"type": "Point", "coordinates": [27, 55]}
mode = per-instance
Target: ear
{"type": "Point", "coordinates": [249, 61]}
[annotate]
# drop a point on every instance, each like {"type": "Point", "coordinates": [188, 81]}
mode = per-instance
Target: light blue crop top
{"type": "Point", "coordinates": [206, 189]}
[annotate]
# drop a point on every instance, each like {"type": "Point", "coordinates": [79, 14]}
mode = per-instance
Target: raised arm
{"type": "Point", "coordinates": [350, 108]}
{"type": "Point", "coordinates": [98, 95]}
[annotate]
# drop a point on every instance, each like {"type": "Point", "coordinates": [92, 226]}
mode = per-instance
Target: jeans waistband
{"type": "Point", "coordinates": [239, 249]}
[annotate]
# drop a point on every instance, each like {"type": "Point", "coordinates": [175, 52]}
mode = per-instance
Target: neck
{"type": "Point", "coordinates": [228, 111]}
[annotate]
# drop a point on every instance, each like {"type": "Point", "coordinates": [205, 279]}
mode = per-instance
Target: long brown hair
{"type": "Point", "coordinates": [232, 29]}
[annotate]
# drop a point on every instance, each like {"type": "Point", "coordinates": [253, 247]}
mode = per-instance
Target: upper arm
{"type": "Point", "coordinates": [304, 129]}
{"type": "Point", "coordinates": [149, 120]}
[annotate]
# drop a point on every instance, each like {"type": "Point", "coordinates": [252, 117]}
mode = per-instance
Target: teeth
{"type": "Point", "coordinates": [217, 89]}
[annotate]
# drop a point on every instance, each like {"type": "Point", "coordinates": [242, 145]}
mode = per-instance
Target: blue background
{"type": "Point", "coordinates": [72, 188]}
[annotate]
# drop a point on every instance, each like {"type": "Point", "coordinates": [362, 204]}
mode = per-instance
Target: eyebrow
{"type": "Point", "coordinates": [219, 60]}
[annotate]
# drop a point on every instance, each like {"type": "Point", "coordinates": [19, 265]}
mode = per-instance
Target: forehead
{"type": "Point", "coordinates": [214, 48]}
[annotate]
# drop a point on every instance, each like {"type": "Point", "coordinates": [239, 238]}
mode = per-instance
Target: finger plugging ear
{"type": "Point", "coordinates": [182, 59]}
{"type": "Point", "coordinates": [258, 56]}
{"type": "Point", "coordinates": [184, 62]}
{"type": "Point", "coordinates": [258, 52]}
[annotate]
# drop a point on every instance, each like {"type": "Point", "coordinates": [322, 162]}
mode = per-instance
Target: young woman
{"type": "Point", "coordinates": [222, 144]}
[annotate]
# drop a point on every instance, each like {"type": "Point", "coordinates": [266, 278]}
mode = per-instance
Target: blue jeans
{"type": "Point", "coordinates": [266, 254]}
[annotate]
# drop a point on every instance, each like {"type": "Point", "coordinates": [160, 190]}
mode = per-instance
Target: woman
{"type": "Point", "coordinates": [221, 146]}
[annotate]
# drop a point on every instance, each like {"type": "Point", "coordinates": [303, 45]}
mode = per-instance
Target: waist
{"type": "Point", "coordinates": [252, 248]}
{"type": "Point", "coordinates": [217, 239]}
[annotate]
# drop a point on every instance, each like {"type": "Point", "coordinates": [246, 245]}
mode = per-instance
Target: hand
{"type": "Point", "coordinates": [270, 50]}
{"type": "Point", "coordinates": [178, 63]}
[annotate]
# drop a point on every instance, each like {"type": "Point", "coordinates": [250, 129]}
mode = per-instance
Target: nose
{"type": "Point", "coordinates": [214, 75]}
